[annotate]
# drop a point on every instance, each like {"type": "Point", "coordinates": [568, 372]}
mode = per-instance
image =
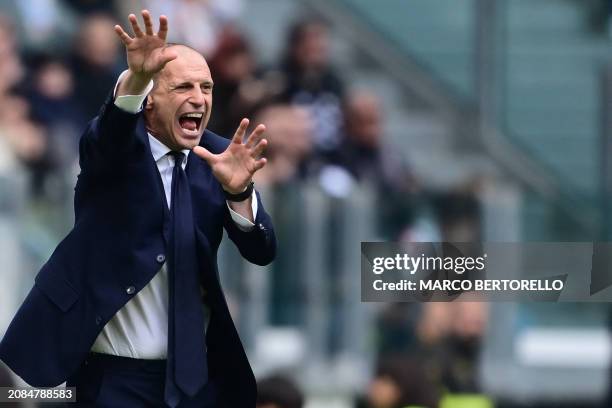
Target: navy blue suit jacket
{"type": "Point", "coordinates": [118, 242]}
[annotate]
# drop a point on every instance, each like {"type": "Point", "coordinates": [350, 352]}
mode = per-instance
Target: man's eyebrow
{"type": "Point", "coordinates": [188, 83]}
{"type": "Point", "coordinates": [177, 84]}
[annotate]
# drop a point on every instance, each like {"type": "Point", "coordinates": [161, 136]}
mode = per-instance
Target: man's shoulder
{"type": "Point", "coordinates": [213, 142]}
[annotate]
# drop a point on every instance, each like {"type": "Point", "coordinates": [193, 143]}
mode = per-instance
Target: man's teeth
{"type": "Point", "coordinates": [193, 115]}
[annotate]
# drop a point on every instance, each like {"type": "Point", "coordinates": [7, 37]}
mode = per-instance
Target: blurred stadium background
{"type": "Point", "coordinates": [409, 120]}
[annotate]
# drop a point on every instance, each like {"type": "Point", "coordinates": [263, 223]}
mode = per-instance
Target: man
{"type": "Point", "coordinates": [129, 308]}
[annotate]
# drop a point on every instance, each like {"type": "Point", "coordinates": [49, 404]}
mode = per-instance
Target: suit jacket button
{"type": "Point", "coordinates": [98, 320]}
{"type": "Point", "coordinates": [130, 290]}
{"type": "Point", "coordinates": [160, 258]}
{"type": "Point", "coordinates": [261, 227]}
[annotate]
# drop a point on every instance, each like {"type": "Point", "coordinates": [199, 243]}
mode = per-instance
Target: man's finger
{"type": "Point", "coordinates": [146, 16]}
{"type": "Point", "coordinates": [259, 148]}
{"type": "Point", "coordinates": [135, 26]}
{"type": "Point", "coordinates": [255, 136]}
{"type": "Point", "coordinates": [167, 55]}
{"type": "Point", "coordinates": [125, 39]}
{"type": "Point", "coordinates": [259, 164]}
{"type": "Point", "coordinates": [163, 27]}
{"type": "Point", "coordinates": [239, 135]}
{"type": "Point", "coordinates": [204, 154]}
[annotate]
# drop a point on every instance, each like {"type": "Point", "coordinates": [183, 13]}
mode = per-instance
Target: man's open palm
{"type": "Point", "coordinates": [234, 168]}
{"type": "Point", "coordinates": [146, 52]}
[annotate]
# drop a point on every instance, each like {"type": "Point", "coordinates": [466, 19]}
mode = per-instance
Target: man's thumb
{"type": "Point", "coordinates": [204, 154]}
{"type": "Point", "coordinates": [169, 55]}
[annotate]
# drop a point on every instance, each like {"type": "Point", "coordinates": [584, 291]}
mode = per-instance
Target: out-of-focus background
{"type": "Point", "coordinates": [407, 120]}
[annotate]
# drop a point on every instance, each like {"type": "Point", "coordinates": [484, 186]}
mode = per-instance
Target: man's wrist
{"type": "Point", "coordinates": [239, 196]}
{"type": "Point", "coordinates": [133, 84]}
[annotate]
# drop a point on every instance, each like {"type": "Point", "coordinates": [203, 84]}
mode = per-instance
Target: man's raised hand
{"type": "Point", "coordinates": [234, 168]}
{"type": "Point", "coordinates": [147, 53]}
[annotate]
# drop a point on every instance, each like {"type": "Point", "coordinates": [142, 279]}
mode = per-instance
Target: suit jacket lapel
{"type": "Point", "coordinates": [142, 135]}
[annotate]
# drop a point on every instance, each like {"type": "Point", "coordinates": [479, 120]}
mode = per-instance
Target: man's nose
{"type": "Point", "coordinates": [197, 97]}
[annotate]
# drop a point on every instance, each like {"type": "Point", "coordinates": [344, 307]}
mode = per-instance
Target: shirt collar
{"type": "Point", "coordinates": [159, 150]}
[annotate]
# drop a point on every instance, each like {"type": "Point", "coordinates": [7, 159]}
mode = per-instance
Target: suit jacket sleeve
{"type": "Point", "coordinates": [257, 245]}
{"type": "Point", "coordinates": [108, 138]}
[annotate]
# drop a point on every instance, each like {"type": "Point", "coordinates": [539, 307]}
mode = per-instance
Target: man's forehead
{"type": "Point", "coordinates": [188, 67]}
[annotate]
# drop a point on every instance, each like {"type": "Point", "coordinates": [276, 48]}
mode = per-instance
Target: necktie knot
{"type": "Point", "coordinates": [178, 157]}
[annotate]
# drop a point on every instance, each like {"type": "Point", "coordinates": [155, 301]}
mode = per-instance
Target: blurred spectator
{"type": "Point", "coordinates": [600, 14]}
{"type": "Point", "coordinates": [11, 68]}
{"type": "Point", "coordinates": [397, 332]}
{"type": "Point", "coordinates": [400, 382]}
{"type": "Point", "coordinates": [288, 130]}
{"type": "Point", "coordinates": [308, 79]}
{"type": "Point", "coordinates": [278, 392]}
{"type": "Point", "coordinates": [459, 353]}
{"type": "Point", "coordinates": [237, 91]}
{"type": "Point", "coordinates": [365, 155]}
{"type": "Point", "coordinates": [25, 140]}
{"type": "Point", "coordinates": [458, 213]}
{"type": "Point", "coordinates": [363, 151]}
{"type": "Point", "coordinates": [434, 323]}
{"type": "Point", "coordinates": [95, 62]}
{"type": "Point", "coordinates": [211, 17]}
{"type": "Point", "coordinates": [38, 22]}
{"type": "Point", "coordinates": [54, 105]}
{"type": "Point", "coordinates": [85, 7]}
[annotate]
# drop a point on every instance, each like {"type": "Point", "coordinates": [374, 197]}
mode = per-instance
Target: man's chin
{"type": "Point", "coordinates": [188, 141]}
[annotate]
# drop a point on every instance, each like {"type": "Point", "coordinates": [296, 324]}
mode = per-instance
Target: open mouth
{"type": "Point", "coordinates": [190, 122]}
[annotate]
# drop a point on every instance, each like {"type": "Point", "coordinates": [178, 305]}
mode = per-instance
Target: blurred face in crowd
{"type": "Point", "coordinates": [232, 61]}
{"type": "Point", "coordinates": [11, 69]}
{"type": "Point", "coordinates": [97, 41]}
{"type": "Point", "coordinates": [179, 106]}
{"type": "Point", "coordinates": [54, 80]}
{"type": "Point", "coordinates": [312, 48]}
{"type": "Point", "coordinates": [238, 66]}
{"type": "Point", "coordinates": [470, 319]}
{"type": "Point", "coordinates": [383, 393]}
{"type": "Point", "coordinates": [363, 120]}
{"type": "Point", "coordinates": [7, 36]}
{"type": "Point", "coordinates": [290, 128]}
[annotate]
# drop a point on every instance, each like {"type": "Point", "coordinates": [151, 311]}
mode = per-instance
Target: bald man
{"type": "Point", "coordinates": [129, 308]}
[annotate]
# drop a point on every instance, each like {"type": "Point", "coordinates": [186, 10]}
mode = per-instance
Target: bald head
{"type": "Point", "coordinates": [184, 53]}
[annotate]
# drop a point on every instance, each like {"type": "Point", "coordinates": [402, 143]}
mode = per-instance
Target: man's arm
{"type": "Point", "coordinates": [110, 135]}
{"type": "Point", "coordinates": [257, 244]}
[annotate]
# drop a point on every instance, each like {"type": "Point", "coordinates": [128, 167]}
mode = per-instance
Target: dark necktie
{"type": "Point", "coordinates": [187, 369]}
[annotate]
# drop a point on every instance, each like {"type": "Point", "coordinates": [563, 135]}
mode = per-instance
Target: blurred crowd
{"type": "Point", "coordinates": [426, 358]}
{"type": "Point", "coordinates": [59, 59]}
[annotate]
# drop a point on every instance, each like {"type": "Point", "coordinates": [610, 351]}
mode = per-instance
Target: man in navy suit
{"type": "Point", "coordinates": [129, 307]}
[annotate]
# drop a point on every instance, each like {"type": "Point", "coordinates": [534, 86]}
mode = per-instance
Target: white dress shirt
{"type": "Point", "coordinates": [140, 328]}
